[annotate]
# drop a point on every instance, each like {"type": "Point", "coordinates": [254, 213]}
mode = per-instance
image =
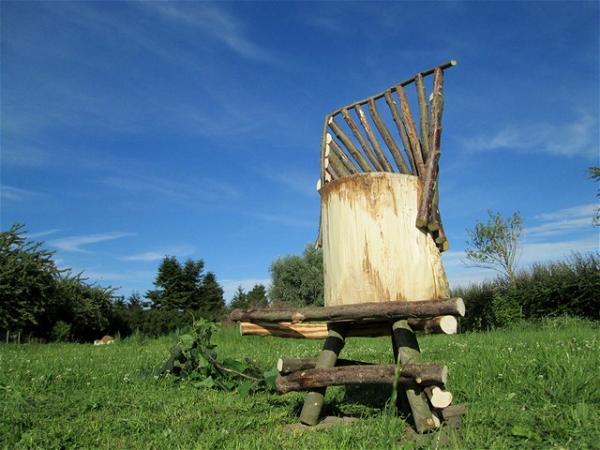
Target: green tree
{"type": "Point", "coordinates": [185, 288]}
{"type": "Point", "coordinates": [595, 175]}
{"type": "Point", "coordinates": [239, 300]}
{"type": "Point", "coordinates": [298, 280]}
{"type": "Point", "coordinates": [257, 297]}
{"type": "Point", "coordinates": [495, 244]}
{"type": "Point", "coordinates": [27, 279]}
{"type": "Point", "coordinates": [213, 304]}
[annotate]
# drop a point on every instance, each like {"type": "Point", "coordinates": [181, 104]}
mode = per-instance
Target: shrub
{"type": "Point", "coordinates": [61, 331]}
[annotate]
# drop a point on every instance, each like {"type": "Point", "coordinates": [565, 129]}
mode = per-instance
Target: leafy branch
{"type": "Point", "coordinates": [195, 358]}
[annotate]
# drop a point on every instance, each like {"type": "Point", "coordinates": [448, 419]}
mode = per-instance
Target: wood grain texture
{"type": "Point", "coordinates": [372, 250]}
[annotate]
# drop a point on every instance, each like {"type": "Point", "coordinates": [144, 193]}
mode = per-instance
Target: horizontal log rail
{"type": "Point", "coordinates": [355, 313]}
{"type": "Point", "coordinates": [406, 82]}
{"type": "Point", "coordinates": [412, 374]}
{"type": "Point", "coordinates": [311, 330]}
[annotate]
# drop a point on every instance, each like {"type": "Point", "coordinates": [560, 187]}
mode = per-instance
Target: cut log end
{"type": "Point", "coordinates": [448, 324]}
{"type": "Point", "coordinates": [438, 397]}
{"type": "Point", "coordinates": [279, 365]}
{"type": "Point", "coordinates": [460, 307]}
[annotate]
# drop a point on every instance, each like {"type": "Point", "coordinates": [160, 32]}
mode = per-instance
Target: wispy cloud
{"type": "Point", "coordinates": [578, 137]}
{"type": "Point", "coordinates": [215, 23]}
{"type": "Point", "coordinates": [562, 221]}
{"type": "Point", "coordinates": [75, 243]}
{"type": "Point", "coordinates": [15, 194]}
{"type": "Point", "coordinates": [40, 234]}
{"type": "Point", "coordinates": [207, 190]}
{"type": "Point", "coordinates": [156, 255]}
{"type": "Point", "coordinates": [23, 156]}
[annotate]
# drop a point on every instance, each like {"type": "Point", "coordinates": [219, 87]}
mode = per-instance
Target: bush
{"type": "Point", "coordinates": [570, 287]}
{"type": "Point", "coordinates": [61, 332]}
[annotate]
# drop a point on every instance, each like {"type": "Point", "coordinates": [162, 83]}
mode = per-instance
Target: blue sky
{"type": "Point", "coordinates": [132, 130]}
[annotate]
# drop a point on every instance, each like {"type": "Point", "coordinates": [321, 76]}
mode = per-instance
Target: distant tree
{"type": "Point", "coordinates": [298, 280]}
{"type": "Point", "coordinates": [239, 300]}
{"type": "Point", "coordinates": [86, 307]}
{"type": "Point", "coordinates": [135, 311]}
{"type": "Point", "coordinates": [595, 175]}
{"type": "Point", "coordinates": [213, 304]}
{"type": "Point", "coordinates": [257, 297]}
{"type": "Point", "coordinates": [495, 244]}
{"type": "Point", "coordinates": [177, 287]}
{"type": "Point", "coordinates": [185, 288]}
{"type": "Point", "coordinates": [27, 279]}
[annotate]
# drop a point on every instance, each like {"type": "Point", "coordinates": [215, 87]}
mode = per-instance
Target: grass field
{"type": "Point", "coordinates": [527, 387]}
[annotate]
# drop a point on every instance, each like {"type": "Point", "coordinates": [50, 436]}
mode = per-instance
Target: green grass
{"type": "Point", "coordinates": [527, 387]}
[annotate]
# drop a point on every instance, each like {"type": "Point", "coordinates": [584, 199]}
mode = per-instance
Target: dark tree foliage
{"type": "Point", "coordinates": [239, 300]}
{"type": "Point", "coordinates": [298, 280]}
{"type": "Point", "coordinates": [213, 304]}
{"type": "Point", "coordinates": [257, 297]}
{"type": "Point", "coordinates": [595, 175]}
{"type": "Point", "coordinates": [186, 289]}
{"type": "Point", "coordinates": [27, 280]}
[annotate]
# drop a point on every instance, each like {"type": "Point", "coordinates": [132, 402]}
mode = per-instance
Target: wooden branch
{"type": "Point", "coordinates": [425, 374]}
{"type": "Point", "coordinates": [356, 154]}
{"type": "Point", "coordinates": [372, 139]}
{"type": "Point", "coordinates": [423, 115]}
{"type": "Point", "coordinates": [313, 402]}
{"type": "Point", "coordinates": [438, 397]}
{"type": "Point", "coordinates": [334, 148]}
{"type": "Point", "coordinates": [329, 168]}
{"type": "Point", "coordinates": [338, 165]}
{"type": "Point", "coordinates": [406, 82]}
{"type": "Point", "coordinates": [442, 324]}
{"type": "Point", "coordinates": [365, 312]}
{"type": "Point", "coordinates": [431, 170]}
{"type": "Point", "coordinates": [361, 139]}
{"type": "Point", "coordinates": [387, 138]}
{"type": "Point", "coordinates": [318, 185]}
{"type": "Point", "coordinates": [407, 351]}
{"type": "Point", "coordinates": [411, 131]}
{"type": "Point", "coordinates": [453, 411]}
{"type": "Point", "coordinates": [400, 127]}
{"type": "Point", "coordinates": [288, 365]}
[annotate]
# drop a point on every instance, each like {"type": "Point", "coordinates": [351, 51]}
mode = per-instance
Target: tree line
{"type": "Point", "coordinates": [40, 300]}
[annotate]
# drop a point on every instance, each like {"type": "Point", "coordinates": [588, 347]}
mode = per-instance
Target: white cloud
{"type": "Point", "coordinates": [205, 190]}
{"type": "Point", "coordinates": [42, 233]}
{"type": "Point", "coordinates": [568, 213]}
{"type": "Point", "coordinates": [230, 285]}
{"type": "Point", "coordinates": [576, 218]}
{"type": "Point", "coordinates": [15, 194]}
{"type": "Point", "coordinates": [215, 23]}
{"type": "Point", "coordinates": [75, 243]}
{"type": "Point", "coordinates": [576, 138]}
{"type": "Point", "coordinates": [156, 255]}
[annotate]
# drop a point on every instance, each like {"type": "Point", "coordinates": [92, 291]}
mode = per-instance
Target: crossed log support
{"type": "Point", "coordinates": [421, 386]}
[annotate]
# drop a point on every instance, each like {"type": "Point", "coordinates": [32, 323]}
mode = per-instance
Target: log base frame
{"type": "Point", "coordinates": [420, 386]}
{"type": "Point", "coordinates": [415, 381]}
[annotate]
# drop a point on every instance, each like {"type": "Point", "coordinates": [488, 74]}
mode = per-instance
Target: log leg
{"type": "Point", "coordinates": [313, 402]}
{"type": "Point", "coordinates": [406, 350]}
